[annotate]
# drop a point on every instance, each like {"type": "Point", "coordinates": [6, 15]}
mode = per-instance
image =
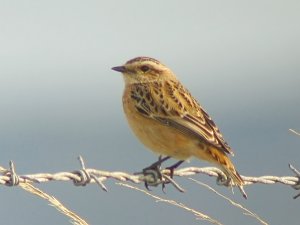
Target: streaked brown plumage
{"type": "Point", "coordinates": [167, 119]}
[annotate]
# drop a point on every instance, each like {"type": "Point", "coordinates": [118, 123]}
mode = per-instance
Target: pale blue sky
{"type": "Point", "coordinates": [60, 99]}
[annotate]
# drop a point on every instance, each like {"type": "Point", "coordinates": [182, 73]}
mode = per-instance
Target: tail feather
{"type": "Point", "coordinates": [235, 177]}
{"type": "Point", "coordinates": [220, 158]}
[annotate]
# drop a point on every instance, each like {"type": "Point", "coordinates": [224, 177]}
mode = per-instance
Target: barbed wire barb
{"type": "Point", "coordinates": [86, 176]}
{"type": "Point", "coordinates": [14, 179]}
{"type": "Point", "coordinates": [296, 186]}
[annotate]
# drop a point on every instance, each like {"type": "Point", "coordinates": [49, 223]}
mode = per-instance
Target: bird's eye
{"type": "Point", "coordinates": [144, 68]}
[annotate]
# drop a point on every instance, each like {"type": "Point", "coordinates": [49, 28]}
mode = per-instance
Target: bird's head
{"type": "Point", "coordinates": [143, 70]}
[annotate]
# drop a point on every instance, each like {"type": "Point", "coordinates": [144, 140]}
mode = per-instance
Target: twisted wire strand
{"type": "Point", "coordinates": [88, 175]}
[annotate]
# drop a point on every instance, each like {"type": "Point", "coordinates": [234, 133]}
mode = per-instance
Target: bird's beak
{"type": "Point", "coordinates": [121, 69]}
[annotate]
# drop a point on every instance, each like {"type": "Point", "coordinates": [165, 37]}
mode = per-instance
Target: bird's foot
{"type": "Point", "coordinates": [152, 174]}
{"type": "Point", "coordinates": [224, 180]}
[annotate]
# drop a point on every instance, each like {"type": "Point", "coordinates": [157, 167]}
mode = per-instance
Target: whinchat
{"type": "Point", "coordinates": [167, 119]}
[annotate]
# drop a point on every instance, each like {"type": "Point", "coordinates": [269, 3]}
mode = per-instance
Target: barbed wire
{"type": "Point", "coordinates": [151, 177]}
{"type": "Point", "coordinates": [86, 176]}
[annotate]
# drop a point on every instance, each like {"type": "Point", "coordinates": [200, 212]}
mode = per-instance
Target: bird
{"type": "Point", "coordinates": [168, 120]}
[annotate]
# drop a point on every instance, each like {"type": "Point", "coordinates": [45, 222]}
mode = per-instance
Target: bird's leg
{"type": "Point", "coordinates": [173, 167]}
{"type": "Point", "coordinates": [158, 163]}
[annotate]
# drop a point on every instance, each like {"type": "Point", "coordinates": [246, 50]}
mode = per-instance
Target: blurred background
{"type": "Point", "coordinates": [60, 99]}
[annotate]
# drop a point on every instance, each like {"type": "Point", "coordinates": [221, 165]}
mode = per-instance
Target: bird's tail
{"type": "Point", "coordinates": [219, 158]}
{"type": "Point", "coordinates": [235, 177]}
{"type": "Point", "coordinates": [230, 172]}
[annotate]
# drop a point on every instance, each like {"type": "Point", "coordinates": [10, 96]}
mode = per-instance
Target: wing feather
{"type": "Point", "coordinates": [172, 105]}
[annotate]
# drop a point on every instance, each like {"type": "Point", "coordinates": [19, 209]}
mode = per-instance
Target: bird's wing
{"type": "Point", "coordinates": [172, 105]}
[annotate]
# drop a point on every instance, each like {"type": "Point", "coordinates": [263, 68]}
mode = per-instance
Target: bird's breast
{"type": "Point", "coordinates": [159, 137]}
